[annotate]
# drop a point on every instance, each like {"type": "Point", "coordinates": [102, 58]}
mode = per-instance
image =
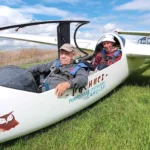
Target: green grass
{"type": "Point", "coordinates": [119, 121]}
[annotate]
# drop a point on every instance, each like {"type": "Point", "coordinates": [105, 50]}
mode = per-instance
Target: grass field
{"type": "Point", "coordinates": [119, 121]}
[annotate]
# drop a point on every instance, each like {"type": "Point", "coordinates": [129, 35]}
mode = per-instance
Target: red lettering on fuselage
{"type": "Point", "coordinates": [74, 91]}
{"type": "Point", "coordinates": [99, 79]}
{"type": "Point", "coordinates": [102, 77]}
{"type": "Point", "coordinates": [96, 80]}
{"type": "Point", "coordinates": [91, 83]}
{"type": "Point", "coordinates": [80, 90]}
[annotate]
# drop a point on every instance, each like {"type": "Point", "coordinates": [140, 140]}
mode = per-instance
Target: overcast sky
{"type": "Point", "coordinates": [104, 16]}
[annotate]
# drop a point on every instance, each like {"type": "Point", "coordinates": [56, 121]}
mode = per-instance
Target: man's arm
{"type": "Point", "coordinates": [61, 88]}
{"type": "Point", "coordinates": [80, 80]}
{"type": "Point", "coordinates": [41, 68]}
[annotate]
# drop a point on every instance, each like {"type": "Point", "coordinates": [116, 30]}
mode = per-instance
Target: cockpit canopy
{"type": "Point", "coordinates": [119, 41]}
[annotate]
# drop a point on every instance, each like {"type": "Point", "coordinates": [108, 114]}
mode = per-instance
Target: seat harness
{"type": "Point", "coordinates": [111, 58]}
{"type": "Point", "coordinates": [108, 60]}
{"type": "Point", "coordinates": [55, 69]}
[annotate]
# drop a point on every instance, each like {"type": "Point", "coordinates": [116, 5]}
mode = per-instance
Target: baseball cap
{"type": "Point", "coordinates": [67, 47]}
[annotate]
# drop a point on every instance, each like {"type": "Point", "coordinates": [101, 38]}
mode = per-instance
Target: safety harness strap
{"type": "Point", "coordinates": [112, 58]}
{"type": "Point", "coordinates": [55, 69]}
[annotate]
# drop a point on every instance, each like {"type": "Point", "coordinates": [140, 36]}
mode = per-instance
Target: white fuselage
{"type": "Point", "coordinates": [34, 111]}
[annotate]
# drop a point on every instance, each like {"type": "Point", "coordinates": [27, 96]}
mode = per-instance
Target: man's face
{"type": "Point", "coordinates": [108, 46]}
{"type": "Point", "coordinates": [66, 57]}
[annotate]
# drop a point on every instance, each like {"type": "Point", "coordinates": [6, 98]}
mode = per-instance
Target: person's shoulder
{"type": "Point", "coordinates": [118, 51]}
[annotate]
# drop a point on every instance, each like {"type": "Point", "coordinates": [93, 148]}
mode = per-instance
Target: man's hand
{"type": "Point", "coordinates": [61, 88]}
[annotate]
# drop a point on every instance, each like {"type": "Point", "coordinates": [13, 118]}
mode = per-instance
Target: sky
{"type": "Point", "coordinates": [104, 16]}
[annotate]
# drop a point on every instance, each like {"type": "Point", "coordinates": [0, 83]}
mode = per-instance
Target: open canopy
{"type": "Point", "coordinates": [63, 30]}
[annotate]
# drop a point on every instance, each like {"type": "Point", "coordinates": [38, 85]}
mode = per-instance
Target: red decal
{"type": "Point", "coordinates": [7, 122]}
{"type": "Point", "coordinates": [98, 79]}
{"type": "Point", "coordinates": [102, 77]}
{"type": "Point", "coordinates": [90, 83]}
{"type": "Point", "coordinates": [95, 81]}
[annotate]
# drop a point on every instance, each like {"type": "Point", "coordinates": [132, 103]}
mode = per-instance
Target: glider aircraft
{"type": "Point", "coordinates": [44, 109]}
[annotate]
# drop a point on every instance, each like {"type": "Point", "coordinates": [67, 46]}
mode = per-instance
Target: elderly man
{"type": "Point", "coordinates": [64, 73]}
{"type": "Point", "coordinates": [108, 55]}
